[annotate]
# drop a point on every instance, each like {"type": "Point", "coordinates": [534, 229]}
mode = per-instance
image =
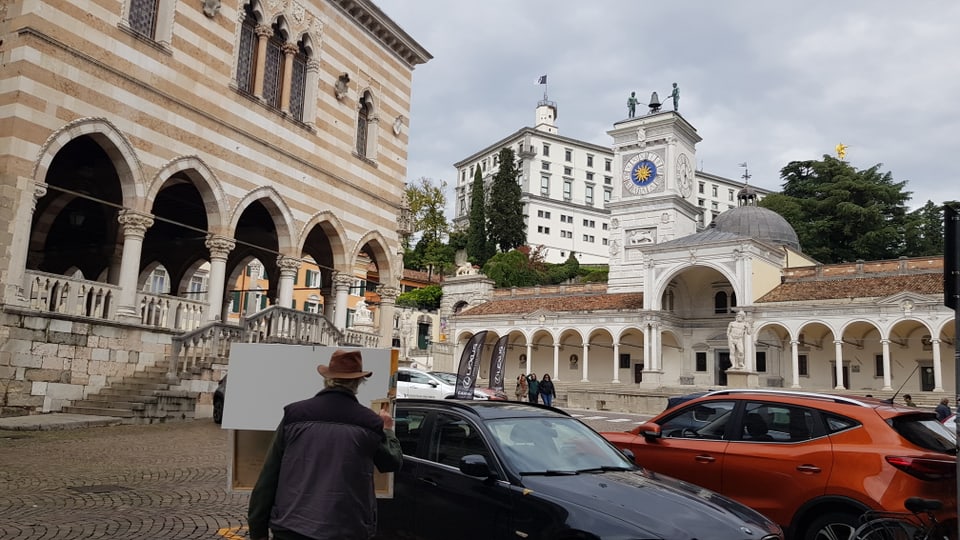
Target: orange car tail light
{"type": "Point", "coordinates": [925, 468]}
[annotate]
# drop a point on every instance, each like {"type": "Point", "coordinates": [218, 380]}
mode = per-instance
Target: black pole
{"type": "Point", "coordinates": [951, 290]}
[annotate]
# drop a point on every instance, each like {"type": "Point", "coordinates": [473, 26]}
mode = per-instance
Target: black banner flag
{"type": "Point", "coordinates": [497, 360]}
{"type": "Point", "coordinates": [470, 366]}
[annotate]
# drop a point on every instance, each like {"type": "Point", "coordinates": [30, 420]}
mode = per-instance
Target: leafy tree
{"type": "Point", "coordinates": [425, 298]}
{"type": "Point", "coordinates": [478, 244]}
{"type": "Point", "coordinates": [506, 228]}
{"type": "Point", "coordinates": [513, 269]}
{"type": "Point", "coordinates": [841, 213]}
{"type": "Point", "coordinates": [924, 234]}
{"type": "Point", "coordinates": [427, 203]}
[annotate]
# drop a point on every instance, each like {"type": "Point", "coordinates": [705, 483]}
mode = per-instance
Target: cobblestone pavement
{"type": "Point", "coordinates": [164, 481]}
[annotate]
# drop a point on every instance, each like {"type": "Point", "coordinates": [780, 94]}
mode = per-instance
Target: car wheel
{"type": "Point", "coordinates": [832, 526]}
{"type": "Point", "coordinates": [217, 411]}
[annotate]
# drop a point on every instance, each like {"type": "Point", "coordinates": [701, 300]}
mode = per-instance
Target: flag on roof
{"type": "Point", "coordinates": [542, 79]}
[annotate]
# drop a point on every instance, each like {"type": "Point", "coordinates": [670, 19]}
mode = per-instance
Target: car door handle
{"type": "Point", "coordinates": [704, 459]}
{"type": "Point", "coordinates": [429, 481]}
{"type": "Point", "coordinates": [808, 468]}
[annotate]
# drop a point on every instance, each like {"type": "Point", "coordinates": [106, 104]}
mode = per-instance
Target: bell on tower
{"type": "Point", "coordinates": [654, 103]}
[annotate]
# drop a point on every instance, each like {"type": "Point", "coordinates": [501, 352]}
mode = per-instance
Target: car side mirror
{"type": "Point", "coordinates": [649, 430]}
{"type": "Point", "coordinates": [475, 465]}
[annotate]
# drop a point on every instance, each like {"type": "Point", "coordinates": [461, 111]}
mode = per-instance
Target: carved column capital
{"type": "Point", "coordinates": [290, 48]}
{"type": "Point", "coordinates": [219, 246]}
{"type": "Point", "coordinates": [388, 293]}
{"type": "Point", "coordinates": [288, 265]}
{"type": "Point", "coordinates": [264, 30]}
{"type": "Point", "coordinates": [341, 279]}
{"type": "Point", "coordinates": [134, 223]}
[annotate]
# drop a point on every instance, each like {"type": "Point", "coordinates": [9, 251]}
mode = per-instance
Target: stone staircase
{"type": "Point", "coordinates": [146, 397]}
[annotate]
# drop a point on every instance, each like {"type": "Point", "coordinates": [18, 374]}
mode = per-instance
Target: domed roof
{"type": "Point", "coordinates": [758, 223]}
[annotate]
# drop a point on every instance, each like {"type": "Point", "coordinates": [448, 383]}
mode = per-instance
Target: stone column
{"type": "Point", "coordinates": [135, 227]}
{"type": "Point", "coordinates": [838, 368]}
{"type": "Point", "coordinates": [529, 358]}
{"type": "Point", "coordinates": [289, 266]}
{"type": "Point", "coordinates": [586, 363]}
{"type": "Point", "coordinates": [885, 343]}
{"type": "Point", "coordinates": [18, 288]}
{"type": "Point", "coordinates": [655, 346]}
{"type": "Point", "coordinates": [616, 361]}
{"type": "Point", "coordinates": [310, 93]}
{"type": "Point", "coordinates": [937, 366]}
{"type": "Point", "coordinates": [264, 33]}
{"type": "Point", "coordinates": [388, 306]}
{"type": "Point", "coordinates": [556, 359]}
{"type": "Point", "coordinates": [220, 248]}
{"type": "Point", "coordinates": [795, 362]}
{"type": "Point", "coordinates": [341, 287]}
{"type": "Point", "coordinates": [329, 302]}
{"type": "Point", "coordinates": [289, 49]}
{"type": "Point", "coordinates": [647, 336]}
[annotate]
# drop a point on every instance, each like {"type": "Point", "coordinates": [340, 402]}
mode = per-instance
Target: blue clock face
{"type": "Point", "coordinates": [643, 173]}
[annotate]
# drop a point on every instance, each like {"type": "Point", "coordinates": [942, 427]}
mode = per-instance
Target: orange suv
{"type": "Point", "coordinates": [811, 462]}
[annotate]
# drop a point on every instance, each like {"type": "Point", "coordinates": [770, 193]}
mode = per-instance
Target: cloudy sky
{"type": "Point", "coordinates": [763, 82]}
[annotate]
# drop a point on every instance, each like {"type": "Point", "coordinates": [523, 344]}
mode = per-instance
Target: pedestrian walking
{"type": "Point", "coordinates": [521, 392]}
{"type": "Point", "coordinates": [317, 480]}
{"type": "Point", "coordinates": [533, 388]}
{"type": "Point", "coordinates": [547, 390]}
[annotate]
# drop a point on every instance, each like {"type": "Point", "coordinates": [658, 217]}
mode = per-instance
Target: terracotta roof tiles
{"type": "Point", "coordinates": [855, 287]}
{"type": "Point", "coordinates": [590, 302]}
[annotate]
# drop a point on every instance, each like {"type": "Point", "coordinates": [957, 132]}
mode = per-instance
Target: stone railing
{"type": "Point", "coordinates": [173, 312]}
{"type": "Point", "coordinates": [54, 293]}
{"type": "Point", "coordinates": [204, 346]}
{"type": "Point", "coordinates": [211, 344]}
{"type": "Point", "coordinates": [285, 325]}
{"type": "Point", "coordinates": [355, 337]}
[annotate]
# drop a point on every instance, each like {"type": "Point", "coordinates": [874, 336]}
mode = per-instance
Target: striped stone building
{"type": "Point", "coordinates": [197, 136]}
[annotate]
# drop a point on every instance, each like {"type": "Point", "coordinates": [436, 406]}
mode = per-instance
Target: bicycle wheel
{"type": "Point", "coordinates": [887, 529]}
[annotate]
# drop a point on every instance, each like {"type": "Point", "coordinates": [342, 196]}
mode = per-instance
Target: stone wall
{"type": "Point", "coordinates": [47, 363]}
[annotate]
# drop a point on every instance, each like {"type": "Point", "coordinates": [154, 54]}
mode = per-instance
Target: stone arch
{"type": "Point", "coordinates": [279, 211]}
{"type": "Point", "coordinates": [663, 282]}
{"type": "Point", "coordinates": [203, 179]}
{"type": "Point", "coordinates": [113, 142]}
{"type": "Point", "coordinates": [335, 232]}
{"type": "Point", "coordinates": [379, 250]}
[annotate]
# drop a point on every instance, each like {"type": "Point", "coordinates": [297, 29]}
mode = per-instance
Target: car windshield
{"type": "Point", "coordinates": [558, 445]}
{"type": "Point", "coordinates": [926, 432]}
{"type": "Point", "coordinates": [449, 378]}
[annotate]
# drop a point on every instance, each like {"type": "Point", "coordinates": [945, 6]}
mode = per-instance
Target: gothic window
{"type": "Point", "coordinates": [248, 52]}
{"type": "Point", "coordinates": [273, 69]}
{"type": "Point", "coordinates": [298, 82]}
{"type": "Point", "coordinates": [143, 17]}
{"type": "Point", "coordinates": [363, 120]}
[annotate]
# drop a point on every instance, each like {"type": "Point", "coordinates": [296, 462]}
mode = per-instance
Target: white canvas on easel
{"type": "Point", "coordinates": [264, 378]}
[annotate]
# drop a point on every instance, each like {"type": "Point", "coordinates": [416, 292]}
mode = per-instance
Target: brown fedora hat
{"type": "Point", "coordinates": [344, 365]}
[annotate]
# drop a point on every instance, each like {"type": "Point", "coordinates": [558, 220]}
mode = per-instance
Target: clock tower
{"type": "Point", "coordinates": [653, 199]}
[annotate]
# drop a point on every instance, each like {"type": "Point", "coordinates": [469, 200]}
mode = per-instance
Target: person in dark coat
{"type": "Point", "coordinates": [943, 409]}
{"type": "Point", "coordinates": [317, 480]}
{"type": "Point", "coordinates": [547, 390]}
{"type": "Point", "coordinates": [533, 388]}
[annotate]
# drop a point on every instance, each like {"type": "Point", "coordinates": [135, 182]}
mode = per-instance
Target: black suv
{"type": "Point", "coordinates": [506, 470]}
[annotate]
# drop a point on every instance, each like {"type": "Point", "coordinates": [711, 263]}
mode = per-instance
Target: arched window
{"type": "Point", "coordinates": [720, 302]}
{"type": "Point", "coordinates": [363, 119]}
{"type": "Point", "coordinates": [273, 68]}
{"type": "Point", "coordinates": [733, 300]}
{"type": "Point", "coordinates": [246, 62]}
{"type": "Point", "coordinates": [298, 82]}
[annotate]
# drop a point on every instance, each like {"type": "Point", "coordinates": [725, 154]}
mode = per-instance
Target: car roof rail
{"type": "Point", "coordinates": [791, 393]}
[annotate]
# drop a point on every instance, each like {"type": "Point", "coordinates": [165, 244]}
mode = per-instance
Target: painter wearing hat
{"type": "Point", "coordinates": [317, 480]}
